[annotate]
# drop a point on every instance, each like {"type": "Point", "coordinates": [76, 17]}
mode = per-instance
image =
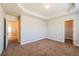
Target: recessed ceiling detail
{"type": "Point", "coordinates": [29, 11]}
{"type": "Point", "coordinates": [41, 10]}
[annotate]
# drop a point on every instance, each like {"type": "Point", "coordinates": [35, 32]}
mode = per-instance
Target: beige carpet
{"type": "Point", "coordinates": [45, 47]}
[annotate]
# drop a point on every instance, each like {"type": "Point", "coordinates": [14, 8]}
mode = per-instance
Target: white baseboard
{"type": "Point", "coordinates": [76, 44]}
{"type": "Point", "coordinates": [1, 51]}
{"type": "Point", "coordinates": [22, 43]}
{"type": "Point", "coordinates": [57, 40]}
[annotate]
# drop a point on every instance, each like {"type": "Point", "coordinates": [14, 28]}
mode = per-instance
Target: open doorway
{"type": "Point", "coordinates": [11, 32]}
{"type": "Point", "coordinates": [69, 32]}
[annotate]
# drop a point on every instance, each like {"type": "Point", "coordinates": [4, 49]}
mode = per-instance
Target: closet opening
{"type": "Point", "coordinates": [69, 32]}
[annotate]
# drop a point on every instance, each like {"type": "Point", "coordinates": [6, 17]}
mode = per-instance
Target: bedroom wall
{"type": "Point", "coordinates": [56, 28]}
{"type": "Point", "coordinates": [1, 30]}
{"type": "Point", "coordinates": [32, 29]}
{"type": "Point", "coordinates": [76, 29]}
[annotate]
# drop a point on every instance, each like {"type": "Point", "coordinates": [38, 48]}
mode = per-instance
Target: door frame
{"type": "Point", "coordinates": [19, 20]}
{"type": "Point", "coordinates": [5, 32]}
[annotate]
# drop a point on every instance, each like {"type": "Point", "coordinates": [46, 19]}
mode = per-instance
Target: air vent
{"type": "Point", "coordinates": [71, 7]}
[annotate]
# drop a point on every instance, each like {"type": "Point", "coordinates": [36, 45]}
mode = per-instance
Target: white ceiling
{"type": "Point", "coordinates": [36, 9]}
{"type": "Point", "coordinates": [40, 8]}
{"type": "Point", "coordinates": [11, 8]}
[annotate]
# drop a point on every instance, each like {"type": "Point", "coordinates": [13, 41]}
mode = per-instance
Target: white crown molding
{"type": "Point", "coordinates": [30, 12]}
{"type": "Point", "coordinates": [43, 17]}
{"type": "Point", "coordinates": [57, 15]}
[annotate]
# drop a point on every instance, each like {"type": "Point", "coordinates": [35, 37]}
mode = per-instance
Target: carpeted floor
{"type": "Point", "coordinates": [45, 47]}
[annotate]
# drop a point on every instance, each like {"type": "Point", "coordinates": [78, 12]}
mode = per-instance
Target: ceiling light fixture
{"type": "Point", "coordinates": [47, 6]}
